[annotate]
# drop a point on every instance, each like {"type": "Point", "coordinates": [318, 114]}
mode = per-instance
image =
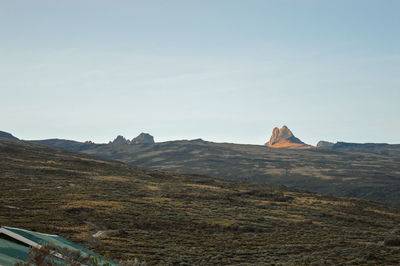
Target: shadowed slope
{"type": "Point", "coordinates": [7, 135]}
{"type": "Point", "coordinates": [378, 148]}
{"type": "Point", "coordinates": [363, 175]}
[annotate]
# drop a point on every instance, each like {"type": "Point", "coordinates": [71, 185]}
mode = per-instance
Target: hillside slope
{"type": "Point", "coordinates": [168, 218]}
{"type": "Point", "coordinates": [378, 148]}
{"type": "Point", "coordinates": [7, 135]}
{"type": "Point", "coordinates": [362, 175]}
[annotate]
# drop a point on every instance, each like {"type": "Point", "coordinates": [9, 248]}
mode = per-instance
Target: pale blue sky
{"type": "Point", "coordinates": [218, 70]}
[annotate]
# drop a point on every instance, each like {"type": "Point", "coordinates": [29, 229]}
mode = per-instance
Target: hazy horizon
{"type": "Point", "coordinates": [223, 71]}
{"type": "Point", "coordinates": [157, 140]}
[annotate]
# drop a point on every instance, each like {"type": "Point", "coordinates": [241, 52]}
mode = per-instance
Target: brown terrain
{"type": "Point", "coordinates": [372, 174]}
{"type": "Point", "coordinates": [176, 219]}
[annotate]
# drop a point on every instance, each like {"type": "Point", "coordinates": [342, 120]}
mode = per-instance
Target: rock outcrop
{"type": "Point", "coordinates": [325, 144]}
{"type": "Point", "coordinates": [284, 138]}
{"type": "Point", "coordinates": [120, 140]}
{"type": "Point", "coordinates": [143, 138]}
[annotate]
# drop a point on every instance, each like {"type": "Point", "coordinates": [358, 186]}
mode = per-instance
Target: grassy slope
{"type": "Point", "coordinates": [364, 175]}
{"type": "Point", "coordinates": [170, 218]}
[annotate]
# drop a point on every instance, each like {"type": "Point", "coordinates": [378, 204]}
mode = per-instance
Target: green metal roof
{"type": "Point", "coordinates": [11, 252]}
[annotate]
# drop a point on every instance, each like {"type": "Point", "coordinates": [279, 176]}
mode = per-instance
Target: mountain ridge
{"type": "Point", "coordinates": [363, 175]}
{"type": "Point", "coordinates": [372, 175]}
{"type": "Point", "coordinates": [377, 148]}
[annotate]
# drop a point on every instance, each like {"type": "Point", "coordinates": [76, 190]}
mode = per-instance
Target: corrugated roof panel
{"type": "Point", "coordinates": [42, 239]}
{"type": "Point", "coordinates": [11, 252]}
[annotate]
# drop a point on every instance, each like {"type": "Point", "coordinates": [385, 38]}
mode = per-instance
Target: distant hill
{"type": "Point", "coordinates": [176, 219]}
{"type": "Point", "coordinates": [378, 148]}
{"type": "Point", "coordinates": [70, 145]}
{"type": "Point", "coordinates": [6, 135]}
{"type": "Point", "coordinates": [363, 175]}
{"type": "Point", "coordinates": [367, 171]}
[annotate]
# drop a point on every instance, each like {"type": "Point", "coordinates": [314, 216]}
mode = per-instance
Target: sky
{"type": "Point", "coordinates": [220, 70]}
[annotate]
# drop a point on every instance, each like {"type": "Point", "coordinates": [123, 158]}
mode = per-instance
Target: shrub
{"type": "Point", "coordinates": [392, 240]}
{"type": "Point", "coordinates": [47, 256]}
{"type": "Point", "coordinates": [134, 262]}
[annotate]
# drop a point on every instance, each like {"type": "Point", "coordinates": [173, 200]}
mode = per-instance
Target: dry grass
{"type": "Point", "coordinates": [176, 219]}
{"type": "Point", "coordinates": [111, 178]}
{"type": "Point", "coordinates": [363, 175]}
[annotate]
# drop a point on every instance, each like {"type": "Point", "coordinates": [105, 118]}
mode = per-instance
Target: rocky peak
{"type": "Point", "coordinates": [120, 140]}
{"type": "Point", "coordinates": [284, 138]}
{"type": "Point", "coordinates": [282, 134]}
{"type": "Point", "coordinates": [143, 138]}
